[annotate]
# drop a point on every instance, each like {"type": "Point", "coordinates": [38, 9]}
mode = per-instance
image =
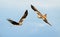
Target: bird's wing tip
{"type": "Point", "coordinates": [49, 24]}
{"type": "Point", "coordinates": [9, 19]}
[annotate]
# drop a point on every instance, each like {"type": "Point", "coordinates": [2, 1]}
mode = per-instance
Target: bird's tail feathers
{"type": "Point", "coordinates": [45, 15]}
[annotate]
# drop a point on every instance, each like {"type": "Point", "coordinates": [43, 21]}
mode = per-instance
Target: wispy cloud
{"type": "Point", "coordinates": [35, 27]}
{"type": "Point", "coordinates": [12, 3]}
{"type": "Point", "coordinates": [19, 3]}
{"type": "Point", "coordinates": [47, 4]}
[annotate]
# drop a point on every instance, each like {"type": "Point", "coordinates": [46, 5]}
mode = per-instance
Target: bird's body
{"type": "Point", "coordinates": [43, 17]}
{"type": "Point", "coordinates": [20, 21]}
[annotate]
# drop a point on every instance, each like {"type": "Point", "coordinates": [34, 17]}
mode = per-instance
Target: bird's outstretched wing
{"type": "Point", "coordinates": [45, 20]}
{"type": "Point", "coordinates": [13, 22]}
{"type": "Point", "coordinates": [38, 13]}
{"type": "Point", "coordinates": [23, 17]}
{"type": "Point", "coordinates": [21, 20]}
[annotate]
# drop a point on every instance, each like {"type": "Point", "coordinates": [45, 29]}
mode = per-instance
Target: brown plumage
{"type": "Point", "coordinates": [43, 17]}
{"type": "Point", "coordinates": [20, 21]}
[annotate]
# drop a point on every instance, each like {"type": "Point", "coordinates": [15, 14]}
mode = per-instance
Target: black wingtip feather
{"type": "Point", "coordinates": [13, 22]}
{"type": "Point", "coordinates": [25, 14]}
{"type": "Point", "coordinates": [33, 8]}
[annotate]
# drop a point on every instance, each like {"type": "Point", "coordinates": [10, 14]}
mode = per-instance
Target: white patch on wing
{"type": "Point", "coordinates": [23, 19]}
{"type": "Point", "coordinates": [20, 23]}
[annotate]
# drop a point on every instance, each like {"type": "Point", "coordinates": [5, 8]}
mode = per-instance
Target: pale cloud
{"type": "Point", "coordinates": [36, 27]}
{"type": "Point", "coordinates": [47, 3]}
{"type": "Point", "coordinates": [19, 3]}
{"type": "Point", "coordinates": [12, 3]}
{"type": "Point", "coordinates": [37, 24]}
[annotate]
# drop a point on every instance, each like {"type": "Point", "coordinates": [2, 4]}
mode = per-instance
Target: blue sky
{"type": "Point", "coordinates": [32, 26]}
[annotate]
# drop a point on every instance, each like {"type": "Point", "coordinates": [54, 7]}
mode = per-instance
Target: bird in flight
{"type": "Point", "coordinates": [20, 21]}
{"type": "Point", "coordinates": [43, 17]}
